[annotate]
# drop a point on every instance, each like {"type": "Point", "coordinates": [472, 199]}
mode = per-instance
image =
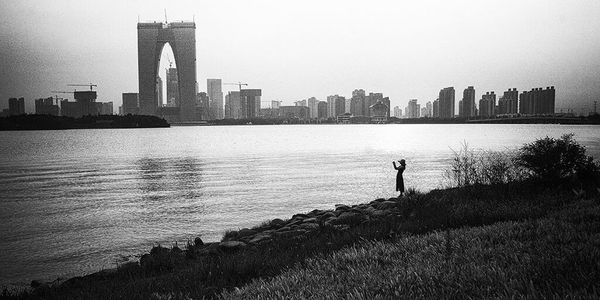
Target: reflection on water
{"type": "Point", "coordinates": [74, 202]}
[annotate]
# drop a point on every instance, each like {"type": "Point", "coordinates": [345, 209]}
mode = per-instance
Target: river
{"type": "Point", "coordinates": [74, 202]}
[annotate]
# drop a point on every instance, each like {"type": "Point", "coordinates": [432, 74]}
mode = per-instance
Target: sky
{"type": "Point", "coordinates": [294, 50]}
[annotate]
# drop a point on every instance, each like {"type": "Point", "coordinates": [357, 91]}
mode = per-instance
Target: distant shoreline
{"type": "Point", "coordinates": [47, 122]}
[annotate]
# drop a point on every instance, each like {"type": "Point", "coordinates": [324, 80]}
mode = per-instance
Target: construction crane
{"type": "Point", "coordinates": [91, 85]}
{"type": "Point", "coordinates": [239, 84]}
{"type": "Point", "coordinates": [62, 92]}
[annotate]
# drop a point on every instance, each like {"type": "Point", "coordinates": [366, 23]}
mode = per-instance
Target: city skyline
{"type": "Point", "coordinates": [43, 52]}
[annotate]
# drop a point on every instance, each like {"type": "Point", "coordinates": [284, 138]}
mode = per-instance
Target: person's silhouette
{"type": "Point", "coordinates": [399, 179]}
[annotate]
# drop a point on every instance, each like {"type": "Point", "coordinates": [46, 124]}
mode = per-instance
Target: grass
{"type": "Point", "coordinates": [552, 257]}
{"type": "Point", "coordinates": [189, 276]}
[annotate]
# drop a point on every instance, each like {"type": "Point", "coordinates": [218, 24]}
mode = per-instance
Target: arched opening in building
{"type": "Point", "coordinates": [167, 89]}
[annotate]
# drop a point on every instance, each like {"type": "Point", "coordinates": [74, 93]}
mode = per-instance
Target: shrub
{"type": "Point", "coordinates": [551, 158]}
{"type": "Point", "coordinates": [469, 167]}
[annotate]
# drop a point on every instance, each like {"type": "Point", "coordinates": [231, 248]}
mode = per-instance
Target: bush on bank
{"type": "Point", "coordinates": [546, 159]}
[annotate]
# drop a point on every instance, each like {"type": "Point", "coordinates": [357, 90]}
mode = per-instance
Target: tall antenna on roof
{"type": "Point", "coordinates": [166, 21]}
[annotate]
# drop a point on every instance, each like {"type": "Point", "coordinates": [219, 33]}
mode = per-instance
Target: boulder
{"type": "Point", "coordinates": [309, 226]}
{"type": "Point", "coordinates": [315, 213]}
{"type": "Point", "coordinates": [245, 232]}
{"type": "Point", "coordinates": [310, 220]}
{"type": "Point", "coordinates": [300, 216]}
{"type": "Point", "coordinates": [290, 233]}
{"type": "Point", "coordinates": [231, 245]}
{"type": "Point", "coordinates": [277, 223]}
{"type": "Point", "coordinates": [339, 207]}
{"type": "Point", "coordinates": [350, 218]}
{"type": "Point", "coordinates": [326, 215]}
{"type": "Point", "coordinates": [259, 239]}
{"type": "Point", "coordinates": [386, 205]}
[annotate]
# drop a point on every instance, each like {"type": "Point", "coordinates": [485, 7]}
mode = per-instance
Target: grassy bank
{"type": "Point", "coordinates": [553, 257]}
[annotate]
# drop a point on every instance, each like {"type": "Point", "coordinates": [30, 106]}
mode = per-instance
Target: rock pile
{"type": "Point", "coordinates": [299, 226]}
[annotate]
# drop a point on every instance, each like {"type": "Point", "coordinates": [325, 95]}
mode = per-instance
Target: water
{"type": "Point", "coordinates": [77, 201]}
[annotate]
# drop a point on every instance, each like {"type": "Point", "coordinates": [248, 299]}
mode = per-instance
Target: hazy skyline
{"type": "Point", "coordinates": [297, 50]}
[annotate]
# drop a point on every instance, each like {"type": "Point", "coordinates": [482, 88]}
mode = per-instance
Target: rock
{"type": "Point", "coordinates": [290, 233]}
{"type": "Point", "coordinates": [341, 207]}
{"type": "Point", "coordinates": [315, 213]}
{"type": "Point", "coordinates": [294, 222]}
{"type": "Point", "coordinates": [231, 245]}
{"type": "Point", "coordinates": [245, 232]}
{"type": "Point", "coordinates": [259, 239]}
{"type": "Point", "coordinates": [284, 228]}
{"type": "Point", "coordinates": [370, 210]}
{"type": "Point", "coordinates": [198, 242]}
{"type": "Point", "coordinates": [380, 213]}
{"type": "Point", "coordinates": [277, 223]}
{"type": "Point", "coordinates": [310, 220]}
{"type": "Point", "coordinates": [349, 218]}
{"type": "Point", "coordinates": [326, 215]}
{"type": "Point", "coordinates": [386, 205]}
{"type": "Point", "coordinates": [300, 216]}
{"type": "Point", "coordinates": [309, 226]}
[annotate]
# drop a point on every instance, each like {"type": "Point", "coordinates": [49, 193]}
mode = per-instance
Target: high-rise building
{"type": "Point", "coordinates": [16, 106]}
{"type": "Point", "coordinates": [397, 112]}
{"type": "Point", "coordinates": [379, 112]}
{"type": "Point", "coordinates": [322, 110]}
{"type": "Point", "coordinates": [233, 105]}
{"type": "Point", "coordinates": [294, 112]}
{"type": "Point", "coordinates": [467, 104]}
{"type": "Point", "coordinates": [130, 103]}
{"type": "Point", "coordinates": [250, 99]}
{"type": "Point", "coordinates": [300, 103]}
{"type": "Point", "coordinates": [336, 105]}
{"type": "Point", "coordinates": [331, 106]}
{"type": "Point", "coordinates": [313, 106]}
{"type": "Point", "coordinates": [436, 108]}
{"type": "Point", "coordinates": [371, 99]}
{"type": "Point", "coordinates": [537, 101]}
{"type": "Point", "coordinates": [159, 91]}
{"type": "Point", "coordinates": [487, 105]}
{"type": "Point", "coordinates": [340, 105]}
{"type": "Point", "coordinates": [106, 108]}
{"type": "Point", "coordinates": [413, 110]}
{"type": "Point", "coordinates": [446, 105]}
{"type": "Point", "coordinates": [428, 110]}
{"type": "Point", "coordinates": [152, 37]}
{"type": "Point", "coordinates": [202, 105]}
{"type": "Point", "coordinates": [215, 98]}
{"type": "Point", "coordinates": [357, 103]}
{"type": "Point", "coordinates": [172, 88]}
{"type": "Point", "coordinates": [508, 103]}
{"type": "Point", "coordinates": [46, 107]}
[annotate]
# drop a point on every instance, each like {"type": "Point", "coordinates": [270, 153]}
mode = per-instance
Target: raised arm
{"type": "Point", "coordinates": [394, 162]}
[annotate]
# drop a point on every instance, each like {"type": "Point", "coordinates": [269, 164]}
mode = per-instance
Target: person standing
{"type": "Point", "coordinates": [399, 178]}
